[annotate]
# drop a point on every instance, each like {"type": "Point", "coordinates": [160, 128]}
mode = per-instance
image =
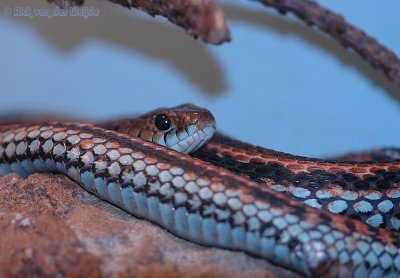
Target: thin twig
{"type": "Point", "coordinates": [377, 55]}
{"type": "Point", "coordinates": [200, 18]}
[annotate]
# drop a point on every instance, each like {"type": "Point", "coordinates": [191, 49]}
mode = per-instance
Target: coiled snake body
{"type": "Point", "coordinates": [211, 205]}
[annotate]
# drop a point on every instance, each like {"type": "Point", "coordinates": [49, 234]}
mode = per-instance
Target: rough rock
{"type": "Point", "coordinates": [51, 227]}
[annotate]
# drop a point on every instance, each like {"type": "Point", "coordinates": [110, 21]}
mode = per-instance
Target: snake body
{"type": "Point", "coordinates": [201, 202]}
{"type": "Point", "coordinates": [365, 190]}
{"type": "Point", "coordinates": [376, 155]}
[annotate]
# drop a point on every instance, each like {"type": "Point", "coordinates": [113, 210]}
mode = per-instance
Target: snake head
{"type": "Point", "coordinates": [184, 128]}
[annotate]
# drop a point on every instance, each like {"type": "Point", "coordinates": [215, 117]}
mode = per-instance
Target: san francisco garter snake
{"type": "Point", "coordinates": [213, 206]}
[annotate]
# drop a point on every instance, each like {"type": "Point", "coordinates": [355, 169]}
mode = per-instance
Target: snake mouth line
{"type": "Point", "coordinates": [191, 143]}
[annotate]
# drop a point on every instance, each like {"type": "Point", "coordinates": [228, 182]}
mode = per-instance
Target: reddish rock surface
{"type": "Point", "coordinates": [50, 227]}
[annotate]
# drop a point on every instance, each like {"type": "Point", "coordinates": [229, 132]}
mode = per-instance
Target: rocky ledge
{"type": "Point", "coordinates": [50, 227]}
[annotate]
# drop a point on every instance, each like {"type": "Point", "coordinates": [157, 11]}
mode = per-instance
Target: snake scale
{"type": "Point", "coordinates": [213, 206]}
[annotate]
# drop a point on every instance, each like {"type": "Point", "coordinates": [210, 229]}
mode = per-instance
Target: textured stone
{"type": "Point", "coordinates": [53, 228]}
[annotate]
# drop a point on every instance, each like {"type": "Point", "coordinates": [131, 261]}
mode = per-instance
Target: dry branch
{"type": "Point", "coordinates": [200, 18]}
{"type": "Point", "coordinates": [205, 19]}
{"type": "Point", "coordinates": [377, 55]}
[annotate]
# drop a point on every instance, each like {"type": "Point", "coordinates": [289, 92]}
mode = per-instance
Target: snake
{"type": "Point", "coordinates": [365, 190]}
{"type": "Point", "coordinates": [228, 200]}
{"type": "Point", "coordinates": [377, 155]}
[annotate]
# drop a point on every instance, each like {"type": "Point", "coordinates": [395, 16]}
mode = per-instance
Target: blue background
{"type": "Point", "coordinates": [278, 84]}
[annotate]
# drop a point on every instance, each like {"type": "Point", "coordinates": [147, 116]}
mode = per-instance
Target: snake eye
{"type": "Point", "coordinates": [162, 122]}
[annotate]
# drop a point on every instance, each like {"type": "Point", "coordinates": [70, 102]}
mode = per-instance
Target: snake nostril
{"type": "Point", "coordinates": [162, 122]}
